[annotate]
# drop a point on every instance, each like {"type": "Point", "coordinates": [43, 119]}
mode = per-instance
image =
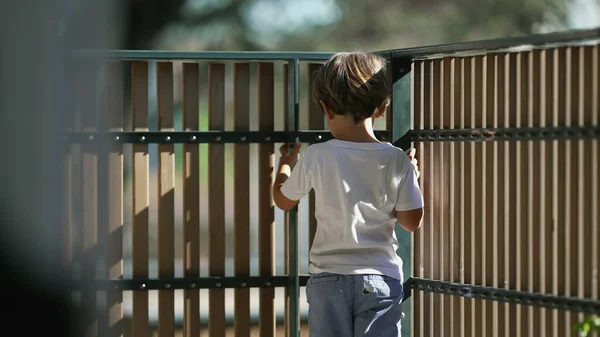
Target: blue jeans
{"type": "Point", "coordinates": [354, 305]}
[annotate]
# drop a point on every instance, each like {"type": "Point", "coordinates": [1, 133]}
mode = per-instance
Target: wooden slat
{"type": "Point", "coordinates": [546, 108]}
{"type": "Point", "coordinates": [559, 186]}
{"type": "Point", "coordinates": [455, 243]}
{"type": "Point", "coordinates": [502, 159]}
{"type": "Point", "coordinates": [445, 159]}
{"type": "Point", "coordinates": [478, 119]}
{"type": "Point", "coordinates": [572, 189]}
{"type": "Point", "coordinates": [141, 198]}
{"type": "Point", "coordinates": [489, 219]}
{"type": "Point", "coordinates": [470, 184]}
{"type": "Point", "coordinates": [266, 218]}
{"type": "Point", "coordinates": [242, 198]}
{"type": "Point", "coordinates": [436, 233]}
{"type": "Point", "coordinates": [87, 106]}
{"type": "Point", "coordinates": [191, 198]}
{"type": "Point", "coordinates": [166, 199]}
{"type": "Point", "coordinates": [114, 200]}
{"type": "Point", "coordinates": [428, 195]}
{"type": "Point", "coordinates": [216, 195]}
{"type": "Point", "coordinates": [316, 121]}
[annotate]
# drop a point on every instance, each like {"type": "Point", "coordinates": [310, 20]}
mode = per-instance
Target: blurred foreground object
{"type": "Point", "coordinates": [35, 102]}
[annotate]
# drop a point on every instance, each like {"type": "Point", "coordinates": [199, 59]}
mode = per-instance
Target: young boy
{"type": "Point", "coordinates": [362, 187]}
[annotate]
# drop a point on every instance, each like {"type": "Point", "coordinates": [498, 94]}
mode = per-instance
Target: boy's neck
{"type": "Point", "coordinates": [358, 133]}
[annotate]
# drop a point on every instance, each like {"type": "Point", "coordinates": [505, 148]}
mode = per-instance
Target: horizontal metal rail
{"type": "Point", "coordinates": [504, 134]}
{"type": "Point", "coordinates": [165, 55]}
{"type": "Point", "coordinates": [503, 295]}
{"type": "Point", "coordinates": [193, 137]}
{"type": "Point", "coordinates": [315, 136]}
{"type": "Point", "coordinates": [497, 44]}
{"type": "Point", "coordinates": [185, 283]}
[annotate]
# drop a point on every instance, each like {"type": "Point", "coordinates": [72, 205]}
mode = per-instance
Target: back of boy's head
{"type": "Point", "coordinates": [353, 84]}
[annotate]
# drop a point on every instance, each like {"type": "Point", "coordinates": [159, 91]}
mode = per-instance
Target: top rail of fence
{"type": "Point", "coordinates": [511, 43]}
{"type": "Point", "coordinates": [167, 55]}
{"type": "Point", "coordinates": [472, 47]}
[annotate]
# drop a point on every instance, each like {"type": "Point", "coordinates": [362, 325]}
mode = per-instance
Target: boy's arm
{"type": "Point", "coordinates": [283, 173]}
{"type": "Point", "coordinates": [409, 210]}
{"type": "Point", "coordinates": [410, 220]}
{"type": "Point", "coordinates": [291, 182]}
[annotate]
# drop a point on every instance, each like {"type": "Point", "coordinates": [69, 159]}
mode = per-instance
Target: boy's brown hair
{"type": "Point", "coordinates": [353, 84]}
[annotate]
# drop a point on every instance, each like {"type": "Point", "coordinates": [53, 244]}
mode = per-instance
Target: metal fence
{"type": "Point", "coordinates": [509, 149]}
{"type": "Point", "coordinates": [173, 230]}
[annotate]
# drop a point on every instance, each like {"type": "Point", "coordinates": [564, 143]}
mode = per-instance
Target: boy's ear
{"type": "Point", "coordinates": [381, 110]}
{"type": "Point", "coordinates": [326, 109]}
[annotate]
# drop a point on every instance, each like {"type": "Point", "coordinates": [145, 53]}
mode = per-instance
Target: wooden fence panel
{"type": "Point", "coordinates": [242, 198]}
{"type": "Point", "coordinates": [266, 218]}
{"type": "Point", "coordinates": [141, 198]}
{"type": "Point", "coordinates": [114, 200]}
{"type": "Point", "coordinates": [191, 198]}
{"type": "Point", "coordinates": [518, 215]}
{"type": "Point", "coordinates": [166, 199]}
{"type": "Point", "coordinates": [216, 195]}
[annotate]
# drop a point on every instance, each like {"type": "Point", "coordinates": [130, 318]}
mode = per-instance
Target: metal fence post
{"type": "Point", "coordinates": [292, 125]}
{"type": "Point", "coordinates": [401, 124]}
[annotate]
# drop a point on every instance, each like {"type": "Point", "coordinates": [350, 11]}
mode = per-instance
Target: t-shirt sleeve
{"type": "Point", "coordinates": [409, 192]}
{"type": "Point", "coordinates": [299, 183]}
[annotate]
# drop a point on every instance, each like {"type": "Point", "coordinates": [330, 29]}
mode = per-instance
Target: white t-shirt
{"type": "Point", "coordinates": [358, 187]}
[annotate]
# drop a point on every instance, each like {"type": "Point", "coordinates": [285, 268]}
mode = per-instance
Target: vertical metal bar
{"type": "Point", "coordinates": [291, 124]}
{"type": "Point", "coordinates": [166, 200]}
{"type": "Point", "coordinates": [513, 217]}
{"type": "Point", "coordinates": [437, 230]}
{"type": "Point", "coordinates": [114, 200]}
{"type": "Point", "coordinates": [594, 181]}
{"type": "Point", "coordinates": [579, 284]}
{"type": "Point", "coordinates": [464, 229]}
{"type": "Point", "coordinates": [401, 121]}
{"type": "Point", "coordinates": [530, 166]}
{"type": "Point", "coordinates": [216, 201]}
{"type": "Point", "coordinates": [266, 218]}
{"type": "Point", "coordinates": [191, 199]}
{"type": "Point", "coordinates": [241, 215]}
{"type": "Point", "coordinates": [141, 198]}
{"type": "Point", "coordinates": [286, 225]}
{"type": "Point", "coordinates": [502, 159]}
{"type": "Point", "coordinates": [417, 103]}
